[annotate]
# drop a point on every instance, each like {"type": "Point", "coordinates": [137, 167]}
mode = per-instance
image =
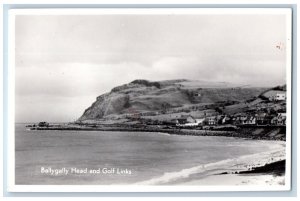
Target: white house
{"type": "Point", "coordinates": [280, 96]}
{"type": "Point", "coordinates": [212, 120]}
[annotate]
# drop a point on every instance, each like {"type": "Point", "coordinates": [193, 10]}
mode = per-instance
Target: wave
{"type": "Point", "coordinates": [240, 163]}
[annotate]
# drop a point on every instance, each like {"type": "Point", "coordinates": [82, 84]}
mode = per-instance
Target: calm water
{"type": "Point", "coordinates": [145, 155]}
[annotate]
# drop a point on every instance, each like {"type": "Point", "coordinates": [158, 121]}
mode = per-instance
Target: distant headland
{"type": "Point", "coordinates": [188, 107]}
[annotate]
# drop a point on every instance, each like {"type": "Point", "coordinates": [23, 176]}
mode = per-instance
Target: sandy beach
{"type": "Point", "coordinates": [235, 171]}
{"type": "Point", "coordinates": [237, 179]}
{"type": "Point", "coordinates": [258, 169]}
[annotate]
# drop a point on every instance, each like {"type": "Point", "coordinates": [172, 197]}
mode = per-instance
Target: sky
{"type": "Point", "coordinates": [64, 62]}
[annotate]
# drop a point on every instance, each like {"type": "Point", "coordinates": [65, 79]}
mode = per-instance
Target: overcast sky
{"type": "Point", "coordinates": [64, 62]}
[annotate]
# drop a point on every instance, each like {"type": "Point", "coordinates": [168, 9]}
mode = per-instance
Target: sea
{"type": "Point", "coordinates": [123, 158]}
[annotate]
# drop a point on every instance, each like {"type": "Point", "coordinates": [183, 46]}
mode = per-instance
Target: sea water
{"type": "Point", "coordinates": [105, 157]}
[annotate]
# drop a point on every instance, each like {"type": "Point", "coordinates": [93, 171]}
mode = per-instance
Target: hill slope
{"type": "Point", "coordinates": [146, 96]}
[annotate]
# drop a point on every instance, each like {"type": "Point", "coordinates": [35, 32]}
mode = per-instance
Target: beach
{"type": "Point", "coordinates": [273, 175]}
{"type": "Point", "coordinates": [267, 168]}
{"type": "Point", "coordinates": [238, 180]}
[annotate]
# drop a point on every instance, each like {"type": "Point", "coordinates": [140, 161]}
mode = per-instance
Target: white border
{"type": "Point", "coordinates": [12, 187]}
{"type": "Point", "coordinates": [11, 103]}
{"type": "Point", "coordinates": [289, 99]}
{"type": "Point", "coordinates": [151, 11]}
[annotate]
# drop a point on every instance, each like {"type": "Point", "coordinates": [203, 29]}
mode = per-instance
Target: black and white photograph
{"type": "Point", "coordinates": [163, 99]}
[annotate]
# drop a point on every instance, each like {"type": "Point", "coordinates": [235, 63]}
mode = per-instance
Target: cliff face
{"type": "Point", "coordinates": [146, 96]}
{"type": "Point", "coordinates": [105, 105]}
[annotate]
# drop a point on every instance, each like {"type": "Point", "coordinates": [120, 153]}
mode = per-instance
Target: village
{"type": "Point", "coordinates": [264, 115]}
{"type": "Point", "coordinates": [262, 119]}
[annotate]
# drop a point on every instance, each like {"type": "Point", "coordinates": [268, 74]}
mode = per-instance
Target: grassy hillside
{"type": "Point", "coordinates": [170, 96]}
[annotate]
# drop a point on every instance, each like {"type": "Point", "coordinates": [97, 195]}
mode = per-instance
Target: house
{"type": "Point", "coordinates": [245, 120]}
{"type": "Point", "coordinates": [188, 120]}
{"type": "Point", "coordinates": [280, 96]}
{"type": "Point", "coordinates": [242, 119]}
{"type": "Point", "coordinates": [279, 120]}
{"type": "Point", "coordinates": [264, 119]}
{"type": "Point", "coordinates": [261, 118]}
{"type": "Point", "coordinates": [251, 120]}
{"type": "Point", "coordinates": [212, 120]}
{"type": "Point", "coordinates": [238, 118]}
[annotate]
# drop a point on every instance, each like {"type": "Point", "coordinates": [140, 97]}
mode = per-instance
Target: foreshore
{"type": "Point", "coordinates": [265, 133]}
{"type": "Point", "coordinates": [270, 175]}
{"type": "Point", "coordinates": [265, 168]}
{"type": "Point", "coordinates": [259, 172]}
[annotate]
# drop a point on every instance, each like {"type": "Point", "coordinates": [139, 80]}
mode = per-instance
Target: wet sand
{"type": "Point", "coordinates": [251, 173]}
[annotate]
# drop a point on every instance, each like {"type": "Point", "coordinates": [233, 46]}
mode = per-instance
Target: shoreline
{"type": "Point", "coordinates": [269, 174]}
{"type": "Point", "coordinates": [255, 169]}
{"type": "Point", "coordinates": [242, 132]}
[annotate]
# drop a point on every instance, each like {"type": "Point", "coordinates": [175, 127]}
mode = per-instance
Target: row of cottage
{"type": "Point", "coordinates": [258, 119]}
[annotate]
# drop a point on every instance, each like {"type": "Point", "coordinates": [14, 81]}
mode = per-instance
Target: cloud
{"type": "Point", "coordinates": [65, 62]}
{"type": "Point", "coordinates": [81, 79]}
